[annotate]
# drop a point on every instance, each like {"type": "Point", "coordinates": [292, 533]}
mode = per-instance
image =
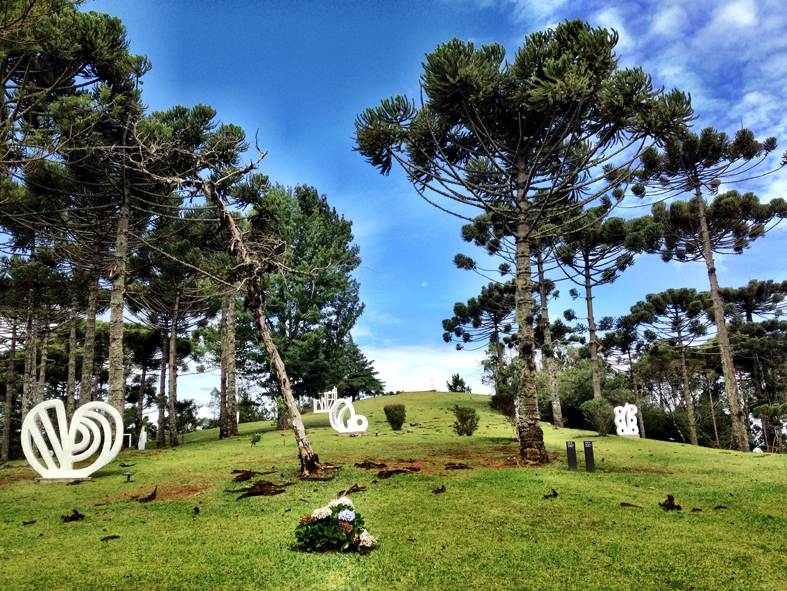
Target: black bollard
{"type": "Point", "coordinates": [590, 463]}
{"type": "Point", "coordinates": [571, 450]}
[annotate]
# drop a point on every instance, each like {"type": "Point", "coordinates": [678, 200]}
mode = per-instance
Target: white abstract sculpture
{"type": "Point", "coordinates": [143, 438]}
{"type": "Point", "coordinates": [325, 402]}
{"type": "Point", "coordinates": [70, 443]}
{"type": "Point", "coordinates": [355, 423]}
{"type": "Point", "coordinates": [626, 420]}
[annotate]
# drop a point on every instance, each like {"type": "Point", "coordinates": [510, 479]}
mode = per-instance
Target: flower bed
{"type": "Point", "coordinates": [337, 526]}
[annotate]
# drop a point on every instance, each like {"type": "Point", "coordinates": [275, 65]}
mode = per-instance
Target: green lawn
{"type": "Point", "coordinates": [491, 529]}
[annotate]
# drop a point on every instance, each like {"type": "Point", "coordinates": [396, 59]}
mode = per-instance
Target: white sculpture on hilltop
{"type": "Point", "coordinates": [72, 443]}
{"type": "Point", "coordinates": [356, 424]}
{"type": "Point", "coordinates": [626, 420]}
{"type": "Point", "coordinates": [325, 402]}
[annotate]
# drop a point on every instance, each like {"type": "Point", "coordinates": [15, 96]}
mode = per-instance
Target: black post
{"type": "Point", "coordinates": [590, 463]}
{"type": "Point", "coordinates": [571, 450]}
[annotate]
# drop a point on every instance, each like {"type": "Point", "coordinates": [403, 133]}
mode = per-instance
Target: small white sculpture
{"type": "Point", "coordinates": [73, 443]}
{"type": "Point", "coordinates": [626, 420]}
{"type": "Point", "coordinates": [143, 438]}
{"type": "Point", "coordinates": [325, 402]}
{"type": "Point", "coordinates": [757, 450]}
{"type": "Point", "coordinates": [355, 423]}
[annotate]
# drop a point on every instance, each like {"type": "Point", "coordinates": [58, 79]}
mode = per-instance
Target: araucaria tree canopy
{"type": "Point", "coordinates": [526, 141]}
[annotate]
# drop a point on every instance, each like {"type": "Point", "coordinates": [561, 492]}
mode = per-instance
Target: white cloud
{"type": "Point", "coordinates": [736, 15]}
{"type": "Point", "coordinates": [424, 284]}
{"type": "Point", "coordinates": [419, 367]}
{"type": "Point", "coordinates": [670, 21]}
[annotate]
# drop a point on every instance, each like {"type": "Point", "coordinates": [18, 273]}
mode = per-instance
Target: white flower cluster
{"type": "Point", "coordinates": [342, 501]}
{"type": "Point", "coordinates": [322, 512]}
{"type": "Point", "coordinates": [367, 539]}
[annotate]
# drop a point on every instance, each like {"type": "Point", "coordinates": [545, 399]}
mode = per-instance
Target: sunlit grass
{"type": "Point", "coordinates": [491, 529]}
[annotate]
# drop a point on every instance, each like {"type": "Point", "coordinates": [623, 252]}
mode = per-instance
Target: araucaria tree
{"type": "Point", "coordinates": [694, 230]}
{"type": "Point", "coordinates": [522, 141]}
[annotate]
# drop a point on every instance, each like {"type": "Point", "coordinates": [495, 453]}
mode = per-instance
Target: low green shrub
{"type": "Point", "coordinates": [255, 439]}
{"type": "Point", "coordinates": [466, 420]}
{"type": "Point", "coordinates": [395, 415]}
{"type": "Point", "coordinates": [599, 414]}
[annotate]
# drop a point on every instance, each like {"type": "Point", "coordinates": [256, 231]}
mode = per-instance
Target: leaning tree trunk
{"type": "Point", "coordinates": [232, 400]}
{"type": "Point", "coordinates": [72, 360]}
{"type": "Point", "coordinates": [730, 383]}
{"type": "Point", "coordinates": [687, 394]}
{"type": "Point", "coordinates": [531, 437]}
{"type": "Point", "coordinates": [161, 439]}
{"type": "Point", "coordinates": [9, 395]}
{"type": "Point", "coordinates": [713, 413]}
{"type": "Point", "coordinates": [224, 430]}
{"type": "Point", "coordinates": [592, 330]}
{"type": "Point", "coordinates": [30, 362]}
{"type": "Point", "coordinates": [547, 351]}
{"type": "Point", "coordinates": [310, 462]}
{"type": "Point", "coordinates": [89, 348]}
{"type": "Point", "coordinates": [173, 376]}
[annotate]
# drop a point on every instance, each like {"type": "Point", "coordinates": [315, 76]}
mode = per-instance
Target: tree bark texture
{"type": "Point", "coordinates": [10, 388]}
{"type": "Point", "coordinates": [30, 362]}
{"type": "Point", "coordinates": [117, 394]}
{"type": "Point", "coordinates": [141, 401]}
{"type": "Point", "coordinates": [173, 376]}
{"type": "Point", "coordinates": [592, 331]}
{"type": "Point", "coordinates": [72, 361]}
{"type": "Point", "coordinates": [687, 394]}
{"type": "Point", "coordinates": [89, 348]}
{"type": "Point", "coordinates": [161, 439]}
{"type": "Point", "coordinates": [730, 383]}
{"type": "Point", "coordinates": [224, 431]}
{"type": "Point", "coordinates": [547, 352]}
{"type": "Point", "coordinates": [531, 437]}
{"type": "Point", "coordinates": [40, 389]}
{"type": "Point", "coordinates": [232, 400]}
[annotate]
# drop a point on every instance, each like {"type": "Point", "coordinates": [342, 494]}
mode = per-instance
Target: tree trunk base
{"type": "Point", "coordinates": [310, 466]}
{"type": "Point", "coordinates": [531, 446]}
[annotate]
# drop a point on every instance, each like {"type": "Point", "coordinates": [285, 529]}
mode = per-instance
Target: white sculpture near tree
{"type": "Point", "coordinates": [143, 438]}
{"type": "Point", "coordinates": [72, 443]}
{"type": "Point", "coordinates": [325, 402]}
{"type": "Point", "coordinates": [355, 425]}
{"type": "Point", "coordinates": [626, 420]}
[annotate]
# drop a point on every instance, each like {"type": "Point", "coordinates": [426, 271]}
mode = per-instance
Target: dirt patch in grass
{"type": "Point", "coordinates": [10, 474]}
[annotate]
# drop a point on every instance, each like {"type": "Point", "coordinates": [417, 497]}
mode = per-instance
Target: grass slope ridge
{"type": "Point", "coordinates": [493, 528]}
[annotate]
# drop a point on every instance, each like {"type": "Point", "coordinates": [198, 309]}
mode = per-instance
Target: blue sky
{"type": "Point", "coordinates": [296, 74]}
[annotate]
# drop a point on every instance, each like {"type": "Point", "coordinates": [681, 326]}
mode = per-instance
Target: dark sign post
{"type": "Point", "coordinates": [571, 450]}
{"type": "Point", "coordinates": [590, 463]}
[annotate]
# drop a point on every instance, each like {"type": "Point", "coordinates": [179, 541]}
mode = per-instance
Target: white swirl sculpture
{"type": "Point", "coordinates": [73, 443]}
{"type": "Point", "coordinates": [355, 423]}
{"type": "Point", "coordinates": [626, 420]}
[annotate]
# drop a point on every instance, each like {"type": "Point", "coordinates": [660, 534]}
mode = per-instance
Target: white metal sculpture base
{"type": "Point", "coordinates": [72, 443]}
{"type": "Point", "coordinates": [355, 425]}
{"type": "Point", "coordinates": [324, 403]}
{"type": "Point", "coordinates": [626, 421]}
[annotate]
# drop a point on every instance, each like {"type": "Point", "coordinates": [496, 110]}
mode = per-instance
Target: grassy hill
{"type": "Point", "coordinates": [493, 528]}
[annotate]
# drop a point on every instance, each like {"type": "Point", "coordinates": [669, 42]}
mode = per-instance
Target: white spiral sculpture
{"type": "Point", "coordinates": [626, 420]}
{"type": "Point", "coordinates": [354, 424]}
{"type": "Point", "coordinates": [72, 443]}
